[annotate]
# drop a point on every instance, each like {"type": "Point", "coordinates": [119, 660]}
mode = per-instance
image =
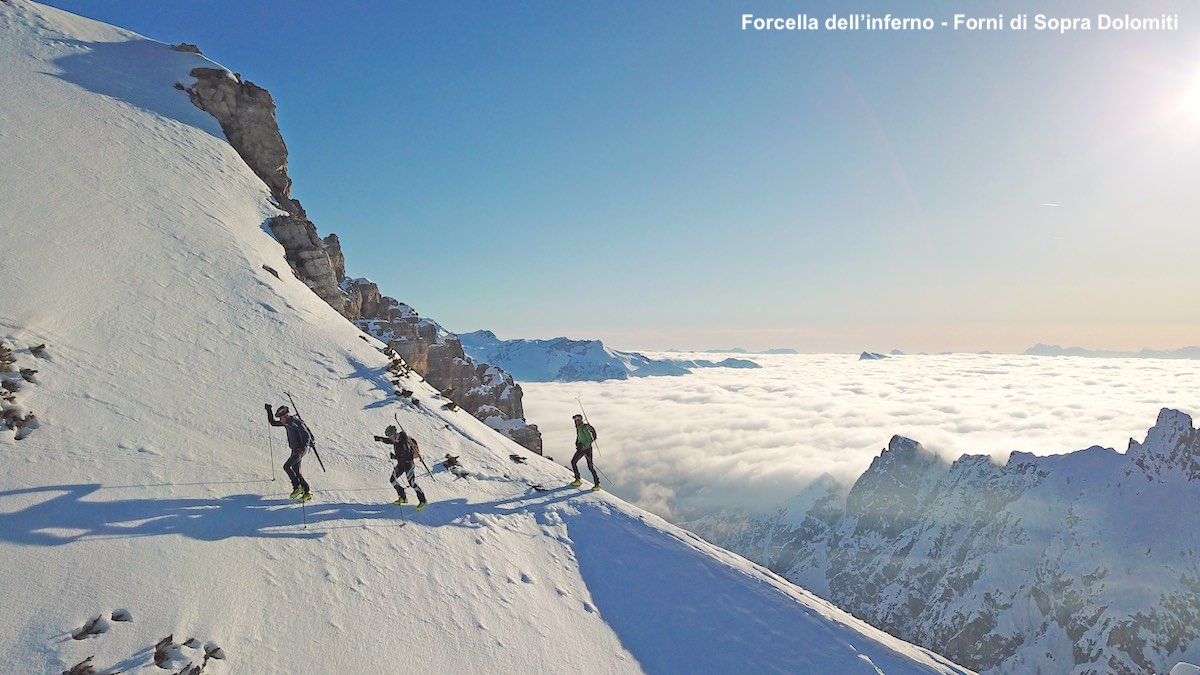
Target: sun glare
{"type": "Point", "coordinates": [1191, 98]}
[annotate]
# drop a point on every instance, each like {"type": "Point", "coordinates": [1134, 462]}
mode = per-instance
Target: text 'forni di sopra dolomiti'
{"type": "Point", "coordinates": [1046, 23]}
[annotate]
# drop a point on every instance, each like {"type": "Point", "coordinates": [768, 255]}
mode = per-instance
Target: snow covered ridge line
{"type": "Point", "coordinates": [1056, 563]}
{"type": "Point", "coordinates": [565, 360]}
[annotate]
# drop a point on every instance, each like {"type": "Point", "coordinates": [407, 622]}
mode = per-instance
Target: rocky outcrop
{"type": "Point", "coordinates": [305, 252]}
{"type": "Point", "coordinates": [246, 113]}
{"type": "Point", "coordinates": [486, 391]}
{"type": "Point", "coordinates": [1069, 563]}
{"type": "Point", "coordinates": [333, 246]}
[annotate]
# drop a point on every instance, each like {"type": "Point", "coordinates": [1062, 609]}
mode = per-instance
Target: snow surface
{"type": "Point", "coordinates": [133, 244]}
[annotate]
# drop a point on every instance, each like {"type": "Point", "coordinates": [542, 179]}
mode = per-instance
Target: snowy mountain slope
{"type": "Point", "coordinates": [563, 360]}
{"type": "Point", "coordinates": [133, 247]}
{"type": "Point", "coordinates": [1084, 562]}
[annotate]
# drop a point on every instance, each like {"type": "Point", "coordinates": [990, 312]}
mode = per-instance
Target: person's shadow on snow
{"type": "Point", "coordinates": [68, 516]}
{"type": "Point", "coordinates": [55, 515]}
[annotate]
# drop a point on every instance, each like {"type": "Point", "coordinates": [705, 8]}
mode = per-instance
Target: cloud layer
{"type": "Point", "coordinates": [722, 438]}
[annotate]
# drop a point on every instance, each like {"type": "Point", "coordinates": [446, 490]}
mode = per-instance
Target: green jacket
{"type": "Point", "coordinates": [583, 437]}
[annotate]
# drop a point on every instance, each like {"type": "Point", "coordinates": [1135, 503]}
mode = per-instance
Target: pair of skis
{"type": "Point", "coordinates": [538, 487]}
{"type": "Point", "coordinates": [312, 441]}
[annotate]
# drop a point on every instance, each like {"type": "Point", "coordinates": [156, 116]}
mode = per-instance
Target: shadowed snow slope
{"type": "Point", "coordinates": [132, 246]}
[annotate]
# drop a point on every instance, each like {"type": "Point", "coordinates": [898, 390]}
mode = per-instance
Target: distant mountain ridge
{"type": "Point", "coordinates": [1145, 353]}
{"type": "Point", "coordinates": [1068, 563]}
{"type": "Point", "coordinates": [740, 350]}
{"type": "Point", "coordinates": [565, 360]}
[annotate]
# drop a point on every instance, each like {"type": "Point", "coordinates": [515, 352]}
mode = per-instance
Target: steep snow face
{"type": "Point", "coordinates": [562, 360]}
{"type": "Point", "coordinates": [1084, 562]}
{"type": "Point", "coordinates": [149, 496]}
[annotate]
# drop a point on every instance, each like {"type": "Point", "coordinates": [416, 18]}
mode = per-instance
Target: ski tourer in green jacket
{"type": "Point", "coordinates": [585, 436]}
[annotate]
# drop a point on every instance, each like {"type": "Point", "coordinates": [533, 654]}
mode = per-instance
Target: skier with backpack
{"type": "Point", "coordinates": [405, 451]}
{"type": "Point", "coordinates": [299, 438]}
{"type": "Point", "coordinates": [585, 436]}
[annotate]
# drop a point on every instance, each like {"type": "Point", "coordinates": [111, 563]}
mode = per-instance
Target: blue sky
{"type": "Point", "coordinates": [650, 174]}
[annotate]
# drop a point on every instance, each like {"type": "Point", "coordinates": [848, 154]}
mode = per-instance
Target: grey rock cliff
{"type": "Point", "coordinates": [306, 254]}
{"type": "Point", "coordinates": [246, 113]}
{"type": "Point", "coordinates": [486, 391]}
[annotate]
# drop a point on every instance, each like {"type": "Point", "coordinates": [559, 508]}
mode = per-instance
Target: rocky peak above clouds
{"type": "Point", "coordinates": [1059, 563]}
{"type": "Point", "coordinates": [1172, 446]}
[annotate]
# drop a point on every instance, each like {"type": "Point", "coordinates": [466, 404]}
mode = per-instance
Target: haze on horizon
{"type": "Point", "coordinates": [652, 175]}
{"type": "Point", "coordinates": [884, 339]}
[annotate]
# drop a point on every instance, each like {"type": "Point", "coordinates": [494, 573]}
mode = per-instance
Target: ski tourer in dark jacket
{"type": "Point", "coordinates": [297, 432]}
{"type": "Point", "coordinates": [299, 439]}
{"type": "Point", "coordinates": [405, 451]}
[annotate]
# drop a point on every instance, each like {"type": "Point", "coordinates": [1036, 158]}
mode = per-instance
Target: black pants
{"type": "Point", "coordinates": [591, 467]}
{"type": "Point", "coordinates": [408, 471]}
{"type": "Point", "coordinates": [292, 469]}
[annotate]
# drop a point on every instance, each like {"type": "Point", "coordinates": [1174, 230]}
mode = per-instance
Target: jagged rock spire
{"type": "Point", "coordinates": [1171, 445]}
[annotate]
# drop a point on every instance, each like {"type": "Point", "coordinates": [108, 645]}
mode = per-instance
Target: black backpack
{"type": "Point", "coordinates": [591, 429]}
{"type": "Point", "coordinates": [406, 448]}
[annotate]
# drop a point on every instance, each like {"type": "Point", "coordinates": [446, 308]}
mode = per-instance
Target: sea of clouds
{"type": "Point", "coordinates": [723, 438]}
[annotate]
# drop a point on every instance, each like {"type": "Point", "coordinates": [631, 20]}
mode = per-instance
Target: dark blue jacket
{"type": "Point", "coordinates": [402, 448]}
{"type": "Point", "coordinates": [297, 432]}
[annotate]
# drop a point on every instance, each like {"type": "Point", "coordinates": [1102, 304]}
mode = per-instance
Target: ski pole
{"type": "Point", "coordinates": [312, 443]}
{"type": "Point", "coordinates": [271, 444]}
{"type": "Point", "coordinates": [431, 477]}
{"type": "Point", "coordinates": [304, 514]}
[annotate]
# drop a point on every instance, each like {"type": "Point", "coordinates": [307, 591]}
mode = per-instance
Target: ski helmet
{"type": "Point", "coordinates": [390, 431]}
{"type": "Point", "coordinates": [282, 410]}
